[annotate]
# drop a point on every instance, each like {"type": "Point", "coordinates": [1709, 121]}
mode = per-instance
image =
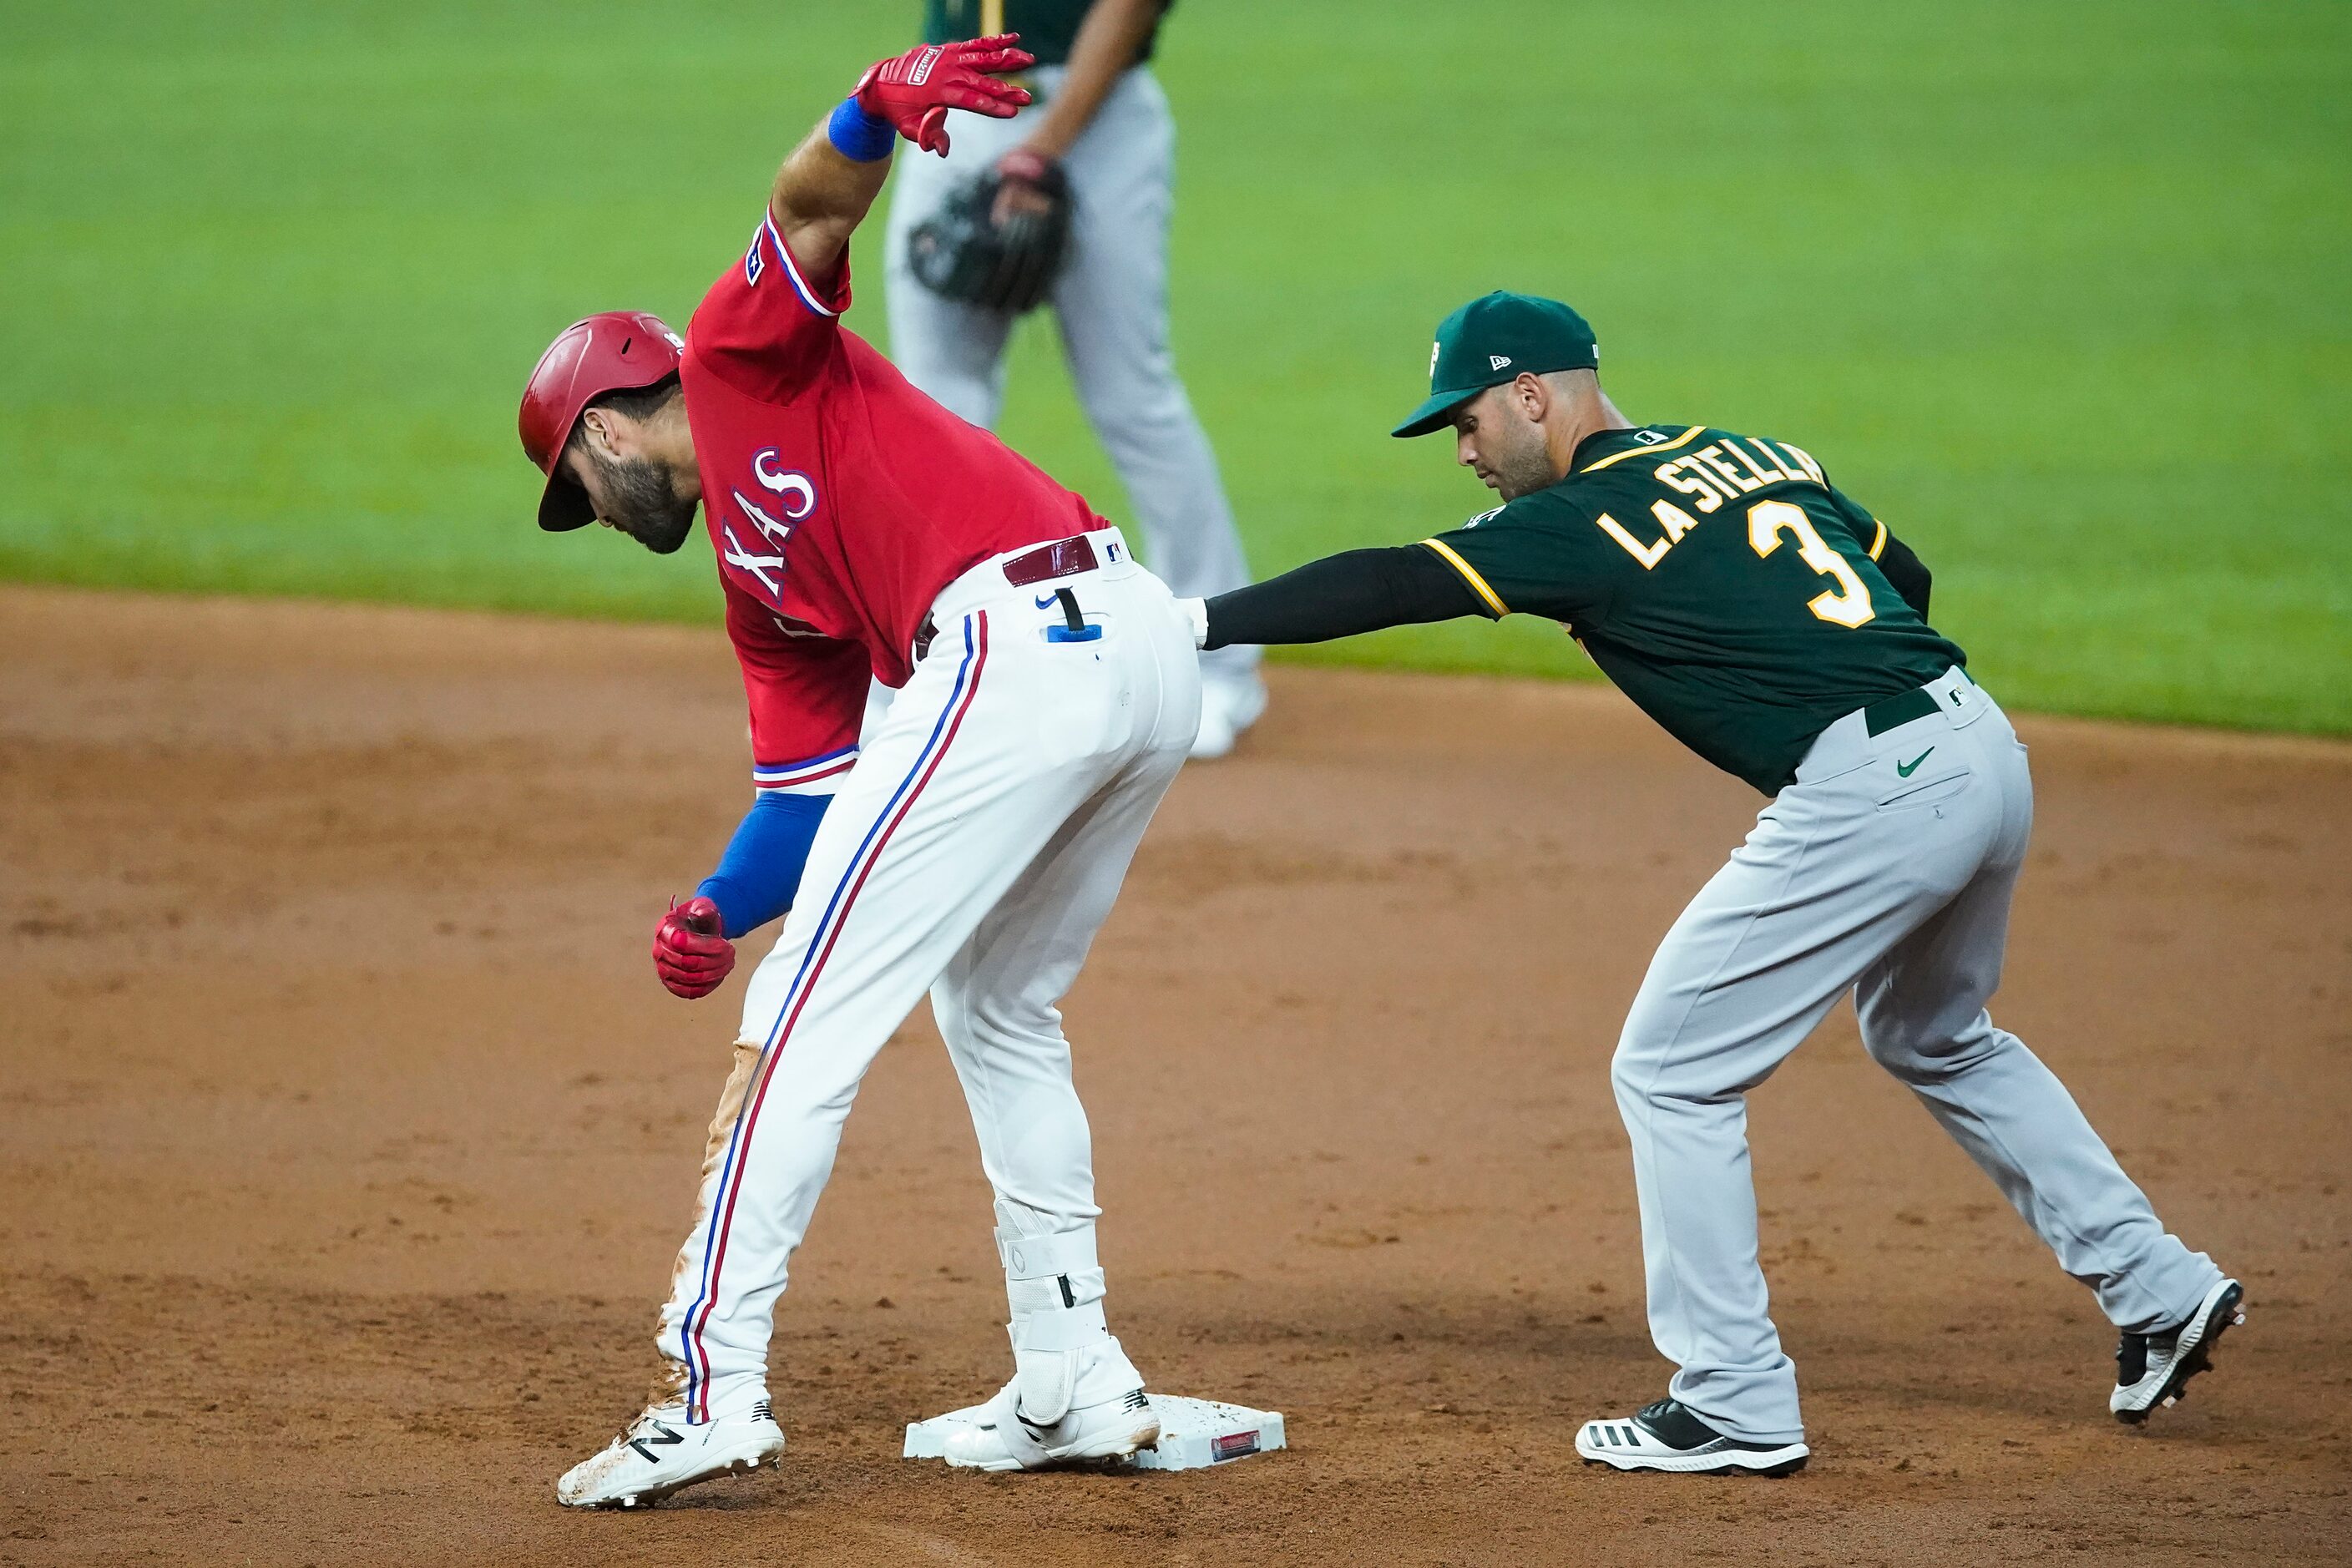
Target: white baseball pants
{"type": "Point", "coordinates": [974, 851]}
{"type": "Point", "coordinates": [1111, 304]}
{"type": "Point", "coordinates": [1897, 885]}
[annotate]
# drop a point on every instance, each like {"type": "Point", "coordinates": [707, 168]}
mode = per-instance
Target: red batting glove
{"type": "Point", "coordinates": [690, 955]}
{"type": "Point", "coordinates": [915, 92]}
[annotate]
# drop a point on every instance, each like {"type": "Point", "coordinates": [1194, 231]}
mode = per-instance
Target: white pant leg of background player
{"type": "Point", "coordinates": [1826, 886]}
{"type": "Point", "coordinates": [980, 763]}
{"type": "Point", "coordinates": [953, 352]}
{"type": "Point", "coordinates": [1111, 305]}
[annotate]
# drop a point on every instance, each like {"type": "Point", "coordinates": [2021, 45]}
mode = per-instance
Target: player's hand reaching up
{"type": "Point", "coordinates": [915, 90]}
{"type": "Point", "coordinates": [690, 955]}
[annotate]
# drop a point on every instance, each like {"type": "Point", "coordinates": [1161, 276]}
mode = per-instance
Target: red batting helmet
{"type": "Point", "coordinates": [613, 351]}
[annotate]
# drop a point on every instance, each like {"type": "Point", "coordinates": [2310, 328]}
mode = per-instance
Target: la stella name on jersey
{"type": "Point", "coordinates": [1717, 472]}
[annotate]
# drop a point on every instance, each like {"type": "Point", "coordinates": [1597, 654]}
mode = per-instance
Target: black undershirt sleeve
{"type": "Point", "coordinates": [1906, 574]}
{"type": "Point", "coordinates": [1343, 596]}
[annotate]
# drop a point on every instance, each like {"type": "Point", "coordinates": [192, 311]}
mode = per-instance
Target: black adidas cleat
{"type": "Point", "coordinates": [1666, 1437]}
{"type": "Point", "coordinates": [2153, 1370]}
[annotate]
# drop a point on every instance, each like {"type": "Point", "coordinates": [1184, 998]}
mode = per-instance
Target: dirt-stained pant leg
{"type": "Point", "coordinates": [999, 740]}
{"type": "Point", "coordinates": [997, 1007]}
{"type": "Point", "coordinates": [1888, 862]}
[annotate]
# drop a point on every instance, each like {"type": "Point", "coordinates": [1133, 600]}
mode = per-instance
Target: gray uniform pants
{"type": "Point", "coordinates": [1858, 875]}
{"type": "Point", "coordinates": [1112, 303]}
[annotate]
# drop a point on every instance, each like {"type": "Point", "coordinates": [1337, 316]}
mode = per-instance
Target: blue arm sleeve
{"type": "Point", "coordinates": [761, 871]}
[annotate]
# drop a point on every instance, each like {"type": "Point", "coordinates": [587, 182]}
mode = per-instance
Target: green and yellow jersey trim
{"type": "Point", "coordinates": [1642, 451]}
{"type": "Point", "coordinates": [1469, 575]}
{"type": "Point", "coordinates": [1878, 542]}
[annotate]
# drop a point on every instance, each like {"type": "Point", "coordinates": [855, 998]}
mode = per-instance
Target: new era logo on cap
{"type": "Point", "coordinates": [1496, 362]}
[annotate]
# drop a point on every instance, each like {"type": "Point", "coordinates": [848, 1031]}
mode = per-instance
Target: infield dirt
{"type": "Point", "coordinates": [348, 1136]}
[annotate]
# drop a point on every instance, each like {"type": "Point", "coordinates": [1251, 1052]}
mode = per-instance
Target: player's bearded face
{"type": "Point", "coordinates": [1504, 447]}
{"type": "Point", "coordinates": [1516, 460]}
{"type": "Point", "coordinates": [637, 496]}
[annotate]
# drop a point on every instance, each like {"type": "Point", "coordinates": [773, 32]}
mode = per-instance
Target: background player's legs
{"type": "Point", "coordinates": [1112, 304]}
{"type": "Point", "coordinates": [952, 351]}
{"type": "Point", "coordinates": [1823, 885]}
{"type": "Point", "coordinates": [1922, 1009]}
{"type": "Point", "coordinates": [995, 741]}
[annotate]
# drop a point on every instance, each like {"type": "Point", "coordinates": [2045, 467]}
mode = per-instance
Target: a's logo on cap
{"type": "Point", "coordinates": [1496, 362]}
{"type": "Point", "coordinates": [1434, 349]}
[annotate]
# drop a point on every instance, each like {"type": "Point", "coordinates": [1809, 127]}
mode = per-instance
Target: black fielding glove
{"type": "Point", "coordinates": [968, 253]}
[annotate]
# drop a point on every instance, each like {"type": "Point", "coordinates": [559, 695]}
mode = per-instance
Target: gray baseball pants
{"type": "Point", "coordinates": [1111, 304]}
{"type": "Point", "coordinates": [1887, 868]}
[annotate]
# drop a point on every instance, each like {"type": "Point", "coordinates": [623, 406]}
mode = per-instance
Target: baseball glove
{"type": "Point", "coordinates": [965, 254]}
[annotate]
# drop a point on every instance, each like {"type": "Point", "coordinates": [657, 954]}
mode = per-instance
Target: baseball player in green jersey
{"type": "Point", "coordinates": [1775, 627]}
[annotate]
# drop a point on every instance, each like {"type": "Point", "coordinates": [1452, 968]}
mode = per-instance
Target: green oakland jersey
{"type": "Point", "coordinates": [1046, 26]}
{"type": "Point", "coordinates": [1719, 579]}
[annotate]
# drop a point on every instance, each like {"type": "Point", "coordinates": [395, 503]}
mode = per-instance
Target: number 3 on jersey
{"type": "Point", "coordinates": [1849, 605]}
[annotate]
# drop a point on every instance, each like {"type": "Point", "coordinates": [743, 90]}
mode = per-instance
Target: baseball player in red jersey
{"type": "Point", "coordinates": [971, 847]}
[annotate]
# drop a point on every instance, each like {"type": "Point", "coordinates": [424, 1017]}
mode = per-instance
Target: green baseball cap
{"type": "Point", "coordinates": [1493, 340]}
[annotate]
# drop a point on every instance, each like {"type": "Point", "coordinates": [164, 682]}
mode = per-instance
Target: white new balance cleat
{"type": "Point", "coordinates": [1081, 1406]}
{"type": "Point", "coordinates": [2154, 1370]}
{"type": "Point", "coordinates": [1666, 1437]}
{"type": "Point", "coordinates": [662, 1451]}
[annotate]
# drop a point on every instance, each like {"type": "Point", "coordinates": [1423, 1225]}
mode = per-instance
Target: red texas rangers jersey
{"type": "Point", "coordinates": [841, 501]}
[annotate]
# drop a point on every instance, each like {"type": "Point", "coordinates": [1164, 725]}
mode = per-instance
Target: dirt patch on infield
{"type": "Point", "coordinates": [347, 1135]}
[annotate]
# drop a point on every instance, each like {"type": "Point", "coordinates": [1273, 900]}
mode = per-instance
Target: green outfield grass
{"type": "Point", "coordinates": [2060, 290]}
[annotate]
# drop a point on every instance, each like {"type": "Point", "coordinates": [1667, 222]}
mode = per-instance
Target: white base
{"type": "Point", "coordinates": [1193, 1434]}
